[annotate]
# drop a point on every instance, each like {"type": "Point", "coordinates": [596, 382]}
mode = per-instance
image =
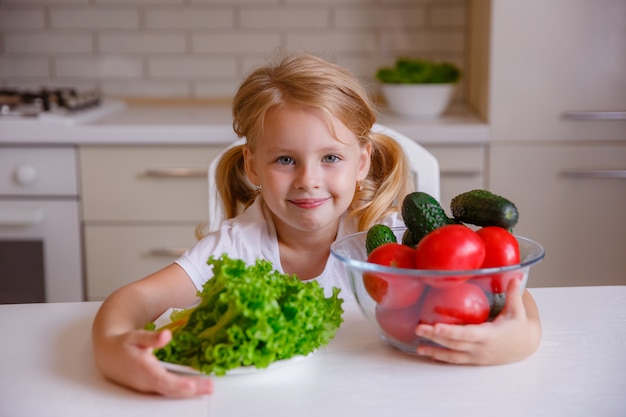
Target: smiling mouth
{"type": "Point", "coordinates": [308, 203]}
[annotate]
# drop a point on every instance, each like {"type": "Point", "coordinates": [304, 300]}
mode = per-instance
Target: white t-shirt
{"type": "Point", "coordinates": [251, 236]}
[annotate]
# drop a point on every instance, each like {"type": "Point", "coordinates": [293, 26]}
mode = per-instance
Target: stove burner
{"type": "Point", "coordinates": [22, 102]}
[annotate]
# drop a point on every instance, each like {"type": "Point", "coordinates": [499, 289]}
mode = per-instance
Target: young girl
{"type": "Point", "coordinates": [311, 171]}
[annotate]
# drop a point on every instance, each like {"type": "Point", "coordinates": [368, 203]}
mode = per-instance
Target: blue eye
{"type": "Point", "coordinates": [330, 159]}
{"type": "Point", "coordinates": [284, 160]}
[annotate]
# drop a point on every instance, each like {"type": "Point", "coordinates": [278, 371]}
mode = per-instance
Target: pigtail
{"type": "Point", "coordinates": [233, 187]}
{"type": "Point", "coordinates": [386, 185]}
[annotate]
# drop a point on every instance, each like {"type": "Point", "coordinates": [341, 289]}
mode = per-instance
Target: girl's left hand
{"type": "Point", "coordinates": [511, 337]}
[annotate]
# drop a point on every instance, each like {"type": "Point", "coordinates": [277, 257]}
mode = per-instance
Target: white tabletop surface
{"type": "Point", "coordinates": [47, 369]}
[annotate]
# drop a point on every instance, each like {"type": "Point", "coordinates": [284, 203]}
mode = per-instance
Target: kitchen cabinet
{"type": "Point", "coordinates": [572, 202]}
{"type": "Point", "coordinates": [119, 253]}
{"type": "Point", "coordinates": [549, 78]}
{"type": "Point", "coordinates": [141, 205]}
{"type": "Point", "coordinates": [569, 57]}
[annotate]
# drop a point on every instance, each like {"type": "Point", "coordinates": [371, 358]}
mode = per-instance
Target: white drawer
{"type": "Point", "coordinates": [45, 171]}
{"type": "Point", "coordinates": [117, 255]}
{"type": "Point", "coordinates": [145, 183]}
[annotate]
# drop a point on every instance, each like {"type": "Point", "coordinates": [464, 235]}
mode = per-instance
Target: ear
{"type": "Point", "coordinates": [365, 162]}
{"type": "Point", "coordinates": [249, 166]}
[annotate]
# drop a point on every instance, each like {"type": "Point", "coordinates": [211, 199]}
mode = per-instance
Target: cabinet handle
{"type": "Point", "coordinates": [175, 173]}
{"type": "Point", "coordinates": [461, 173]}
{"type": "Point", "coordinates": [169, 252]}
{"type": "Point", "coordinates": [595, 115]}
{"type": "Point", "coordinates": [21, 216]}
{"type": "Point", "coordinates": [595, 173]}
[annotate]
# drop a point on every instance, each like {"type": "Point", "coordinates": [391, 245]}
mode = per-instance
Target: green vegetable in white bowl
{"type": "Point", "coordinates": [418, 71]}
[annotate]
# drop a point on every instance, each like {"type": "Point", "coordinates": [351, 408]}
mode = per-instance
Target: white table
{"type": "Point", "coordinates": [47, 369]}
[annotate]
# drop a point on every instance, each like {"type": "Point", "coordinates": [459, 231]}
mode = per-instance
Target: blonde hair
{"type": "Point", "coordinates": [305, 80]}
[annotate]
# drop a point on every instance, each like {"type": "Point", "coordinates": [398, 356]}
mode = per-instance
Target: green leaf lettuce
{"type": "Point", "coordinates": [251, 316]}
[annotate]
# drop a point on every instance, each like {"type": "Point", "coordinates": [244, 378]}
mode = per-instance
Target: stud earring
{"type": "Point", "coordinates": [359, 185]}
{"type": "Point", "coordinates": [257, 189]}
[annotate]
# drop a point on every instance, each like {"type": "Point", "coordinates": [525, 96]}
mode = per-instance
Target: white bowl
{"type": "Point", "coordinates": [418, 100]}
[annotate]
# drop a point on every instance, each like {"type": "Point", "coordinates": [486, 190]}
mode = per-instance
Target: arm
{"type": "Point", "coordinates": [123, 350]}
{"type": "Point", "coordinates": [514, 335]}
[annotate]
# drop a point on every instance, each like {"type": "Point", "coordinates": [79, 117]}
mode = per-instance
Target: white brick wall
{"type": "Point", "coordinates": [142, 43]}
{"type": "Point", "coordinates": [204, 48]}
{"type": "Point", "coordinates": [46, 44]}
{"type": "Point", "coordinates": [97, 68]}
{"type": "Point", "coordinates": [188, 19]}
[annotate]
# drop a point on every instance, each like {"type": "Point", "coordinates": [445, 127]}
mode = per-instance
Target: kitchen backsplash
{"type": "Point", "coordinates": [204, 48]}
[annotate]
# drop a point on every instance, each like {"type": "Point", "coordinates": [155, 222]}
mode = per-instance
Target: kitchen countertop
{"type": "Point", "coordinates": [47, 368]}
{"type": "Point", "coordinates": [210, 124]}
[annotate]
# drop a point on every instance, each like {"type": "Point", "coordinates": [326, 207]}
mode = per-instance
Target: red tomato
{"type": "Point", "coordinates": [449, 247]}
{"type": "Point", "coordinates": [399, 323]}
{"type": "Point", "coordinates": [393, 290]}
{"type": "Point", "coordinates": [498, 282]}
{"type": "Point", "coordinates": [465, 303]}
{"type": "Point", "coordinates": [501, 249]}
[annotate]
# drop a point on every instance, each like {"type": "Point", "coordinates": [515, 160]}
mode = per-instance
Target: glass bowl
{"type": "Point", "coordinates": [396, 300]}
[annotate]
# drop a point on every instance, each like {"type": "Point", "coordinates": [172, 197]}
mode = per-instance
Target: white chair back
{"type": "Point", "coordinates": [424, 167]}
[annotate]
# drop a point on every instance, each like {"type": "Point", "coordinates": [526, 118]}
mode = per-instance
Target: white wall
{"type": "Point", "coordinates": [203, 48]}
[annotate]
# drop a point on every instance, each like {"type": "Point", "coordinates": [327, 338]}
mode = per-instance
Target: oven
{"type": "Point", "coordinates": [40, 243]}
{"type": "Point", "coordinates": [40, 237]}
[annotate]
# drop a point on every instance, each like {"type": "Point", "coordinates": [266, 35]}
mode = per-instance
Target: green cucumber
{"type": "Point", "coordinates": [377, 235]}
{"type": "Point", "coordinates": [496, 303]}
{"type": "Point", "coordinates": [484, 208]}
{"type": "Point", "coordinates": [408, 239]}
{"type": "Point", "coordinates": [422, 214]}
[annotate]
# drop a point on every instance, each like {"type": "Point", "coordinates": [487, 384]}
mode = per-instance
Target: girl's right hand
{"type": "Point", "coordinates": [128, 359]}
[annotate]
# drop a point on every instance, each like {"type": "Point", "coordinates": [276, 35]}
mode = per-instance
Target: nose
{"type": "Point", "coordinates": [308, 176]}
